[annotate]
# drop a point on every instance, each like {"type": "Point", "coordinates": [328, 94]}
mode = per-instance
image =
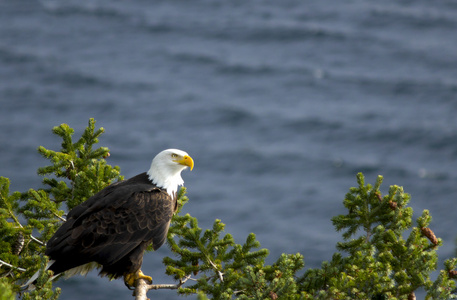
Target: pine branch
{"type": "Point", "coordinates": [382, 253]}
{"type": "Point", "coordinates": [75, 173]}
{"type": "Point", "coordinates": [143, 287]}
{"type": "Point", "coordinates": [2, 263]}
{"type": "Point", "coordinates": [37, 240]}
{"type": "Point", "coordinates": [59, 217]}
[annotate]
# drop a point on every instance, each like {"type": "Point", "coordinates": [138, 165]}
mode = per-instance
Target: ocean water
{"type": "Point", "coordinates": [280, 103]}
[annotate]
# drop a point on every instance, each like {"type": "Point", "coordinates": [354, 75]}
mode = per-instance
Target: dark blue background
{"type": "Point", "coordinates": [280, 103]}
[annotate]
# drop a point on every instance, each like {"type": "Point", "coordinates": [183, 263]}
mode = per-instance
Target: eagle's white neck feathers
{"type": "Point", "coordinates": [166, 168]}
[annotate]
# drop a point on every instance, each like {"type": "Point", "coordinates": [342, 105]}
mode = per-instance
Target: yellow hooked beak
{"type": "Point", "coordinates": [187, 161]}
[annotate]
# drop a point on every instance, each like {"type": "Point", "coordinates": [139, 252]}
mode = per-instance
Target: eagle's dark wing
{"type": "Point", "coordinates": [110, 227]}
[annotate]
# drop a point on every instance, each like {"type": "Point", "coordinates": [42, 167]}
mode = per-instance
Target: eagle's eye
{"type": "Point", "coordinates": [174, 155]}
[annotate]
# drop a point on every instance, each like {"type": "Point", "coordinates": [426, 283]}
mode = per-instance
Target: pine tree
{"type": "Point", "coordinates": [76, 172]}
{"type": "Point", "coordinates": [381, 262]}
{"type": "Point", "coordinates": [383, 254]}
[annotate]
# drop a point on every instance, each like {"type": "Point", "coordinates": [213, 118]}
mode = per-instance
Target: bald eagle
{"type": "Point", "coordinates": [113, 228]}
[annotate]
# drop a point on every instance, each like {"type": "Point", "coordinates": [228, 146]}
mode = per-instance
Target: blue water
{"type": "Point", "coordinates": [280, 103]}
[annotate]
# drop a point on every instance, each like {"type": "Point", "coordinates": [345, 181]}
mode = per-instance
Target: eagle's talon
{"type": "Point", "coordinates": [145, 277]}
{"type": "Point", "coordinates": [130, 279]}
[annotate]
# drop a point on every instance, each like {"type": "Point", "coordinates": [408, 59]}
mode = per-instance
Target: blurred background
{"type": "Point", "coordinates": [280, 103]}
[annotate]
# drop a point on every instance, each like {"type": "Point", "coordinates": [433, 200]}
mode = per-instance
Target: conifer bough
{"type": "Point", "coordinates": [383, 253]}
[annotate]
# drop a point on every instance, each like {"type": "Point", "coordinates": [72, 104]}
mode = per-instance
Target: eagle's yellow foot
{"type": "Point", "coordinates": [131, 278]}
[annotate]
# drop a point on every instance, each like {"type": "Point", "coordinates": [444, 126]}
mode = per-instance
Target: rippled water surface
{"type": "Point", "coordinates": [280, 103]}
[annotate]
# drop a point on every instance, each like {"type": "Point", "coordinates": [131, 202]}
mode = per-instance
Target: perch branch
{"type": "Point", "coordinates": [142, 287]}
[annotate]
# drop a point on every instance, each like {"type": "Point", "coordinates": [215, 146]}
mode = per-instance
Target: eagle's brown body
{"type": "Point", "coordinates": [113, 228]}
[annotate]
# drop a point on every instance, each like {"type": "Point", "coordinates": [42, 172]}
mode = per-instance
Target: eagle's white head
{"type": "Point", "coordinates": [166, 168]}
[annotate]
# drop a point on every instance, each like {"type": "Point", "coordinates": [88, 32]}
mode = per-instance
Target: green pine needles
{"type": "Point", "coordinates": [383, 253]}
{"type": "Point", "coordinates": [222, 269]}
{"type": "Point", "coordinates": [376, 260]}
{"type": "Point", "coordinates": [382, 261]}
{"type": "Point", "coordinates": [29, 219]}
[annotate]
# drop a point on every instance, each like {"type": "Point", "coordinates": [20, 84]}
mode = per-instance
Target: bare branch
{"type": "Point", "coordinates": [33, 238]}
{"type": "Point", "coordinates": [2, 263]}
{"type": "Point", "coordinates": [61, 218]}
{"type": "Point", "coordinates": [37, 240]}
{"type": "Point", "coordinates": [219, 273]}
{"type": "Point", "coordinates": [143, 287]}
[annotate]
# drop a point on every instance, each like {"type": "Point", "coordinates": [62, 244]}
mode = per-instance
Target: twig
{"type": "Point", "coordinates": [37, 240]}
{"type": "Point", "coordinates": [143, 287]}
{"type": "Point", "coordinates": [61, 218]}
{"type": "Point", "coordinates": [2, 263]}
{"type": "Point", "coordinates": [219, 273]}
{"type": "Point", "coordinates": [33, 238]}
